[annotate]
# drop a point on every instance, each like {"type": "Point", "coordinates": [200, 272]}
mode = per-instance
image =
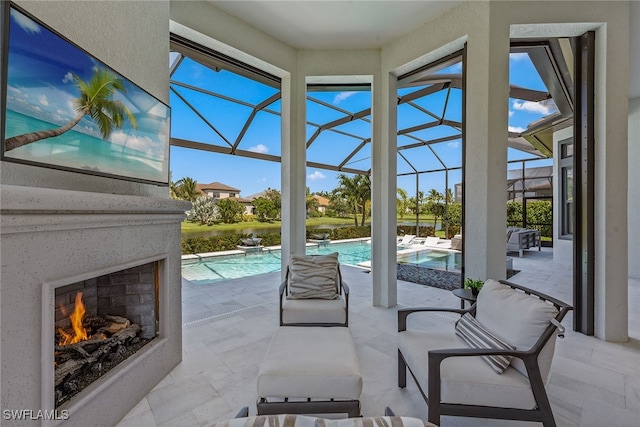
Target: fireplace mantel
{"type": "Point", "coordinates": [49, 237]}
{"type": "Point", "coordinates": [28, 209]}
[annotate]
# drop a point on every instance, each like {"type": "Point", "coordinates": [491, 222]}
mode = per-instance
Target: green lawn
{"type": "Point", "coordinates": [194, 227]}
{"type": "Point", "coordinates": [191, 227]}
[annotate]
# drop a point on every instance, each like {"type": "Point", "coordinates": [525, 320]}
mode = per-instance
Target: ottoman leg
{"type": "Point", "coordinates": [402, 371]}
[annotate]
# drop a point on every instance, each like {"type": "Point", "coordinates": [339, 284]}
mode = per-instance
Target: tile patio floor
{"type": "Point", "coordinates": [227, 327]}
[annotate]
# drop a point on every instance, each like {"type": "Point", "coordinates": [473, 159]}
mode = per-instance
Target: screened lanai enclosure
{"type": "Point", "coordinates": [223, 106]}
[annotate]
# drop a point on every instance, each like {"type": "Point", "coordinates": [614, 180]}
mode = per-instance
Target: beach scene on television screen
{"type": "Point", "coordinates": [66, 109]}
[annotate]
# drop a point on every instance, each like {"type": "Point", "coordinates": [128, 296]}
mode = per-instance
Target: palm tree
{"type": "Point", "coordinates": [403, 201]}
{"type": "Point", "coordinates": [186, 189]}
{"type": "Point", "coordinates": [435, 206]}
{"type": "Point", "coordinates": [95, 100]}
{"type": "Point", "coordinates": [357, 191]}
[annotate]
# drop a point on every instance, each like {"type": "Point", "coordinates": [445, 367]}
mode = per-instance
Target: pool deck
{"type": "Point", "coordinates": [227, 327]}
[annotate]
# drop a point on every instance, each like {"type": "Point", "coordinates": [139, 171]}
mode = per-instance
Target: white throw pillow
{"type": "Point", "coordinates": [513, 316]}
{"type": "Point", "coordinates": [313, 276]}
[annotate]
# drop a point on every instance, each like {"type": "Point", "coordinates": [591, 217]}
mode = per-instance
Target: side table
{"type": "Point", "coordinates": [464, 295]}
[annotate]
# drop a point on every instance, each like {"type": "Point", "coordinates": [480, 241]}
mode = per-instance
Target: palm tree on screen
{"type": "Point", "coordinates": [95, 100]}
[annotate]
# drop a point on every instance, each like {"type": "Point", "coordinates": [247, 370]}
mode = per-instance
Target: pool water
{"type": "Point", "coordinates": [214, 269]}
{"type": "Point", "coordinates": [437, 260]}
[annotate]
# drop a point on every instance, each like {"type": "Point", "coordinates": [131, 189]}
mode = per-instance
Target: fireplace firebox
{"type": "Point", "coordinates": [99, 323]}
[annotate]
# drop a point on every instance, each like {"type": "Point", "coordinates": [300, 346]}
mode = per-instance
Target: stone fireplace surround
{"type": "Point", "coordinates": [51, 238]}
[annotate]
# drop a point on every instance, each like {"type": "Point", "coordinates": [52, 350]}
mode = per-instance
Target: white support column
{"type": "Point", "coordinates": [485, 197]}
{"type": "Point", "coordinates": [634, 190]}
{"type": "Point", "coordinates": [383, 192]}
{"type": "Point", "coordinates": [293, 166]}
{"type": "Point", "coordinates": [611, 149]}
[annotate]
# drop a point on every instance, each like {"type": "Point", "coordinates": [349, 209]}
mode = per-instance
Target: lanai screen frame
{"type": "Point", "coordinates": [422, 76]}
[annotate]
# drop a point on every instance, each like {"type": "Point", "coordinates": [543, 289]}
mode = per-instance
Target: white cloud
{"type": "Point", "coordinates": [516, 129]}
{"type": "Point", "coordinates": [316, 175]}
{"type": "Point", "coordinates": [511, 112]}
{"type": "Point", "coordinates": [25, 23]}
{"type": "Point", "coordinates": [43, 100]}
{"type": "Point", "coordinates": [518, 56]}
{"type": "Point", "coordinates": [140, 143]}
{"type": "Point", "coordinates": [533, 107]}
{"type": "Point", "coordinates": [342, 96]}
{"type": "Point", "coordinates": [16, 91]}
{"type": "Point", "coordinates": [68, 77]}
{"type": "Point", "coordinates": [260, 148]}
{"type": "Point", "coordinates": [453, 144]}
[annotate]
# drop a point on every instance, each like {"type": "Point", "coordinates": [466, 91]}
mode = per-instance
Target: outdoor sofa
{"type": "Point", "coordinates": [519, 239]}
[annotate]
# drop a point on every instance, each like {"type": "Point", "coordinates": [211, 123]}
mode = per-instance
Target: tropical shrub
{"type": "Point", "coordinates": [353, 232]}
{"type": "Point", "coordinates": [230, 210]}
{"type": "Point", "coordinates": [204, 209]}
{"type": "Point", "coordinates": [455, 214]}
{"type": "Point", "coordinates": [539, 216]}
{"type": "Point", "coordinates": [270, 239]}
{"type": "Point", "coordinates": [452, 231]}
{"type": "Point", "coordinates": [265, 209]}
{"type": "Point", "coordinates": [424, 230]}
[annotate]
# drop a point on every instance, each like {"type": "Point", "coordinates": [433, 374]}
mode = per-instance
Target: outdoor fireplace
{"type": "Point", "coordinates": [99, 323]}
{"type": "Point", "coordinates": [123, 253]}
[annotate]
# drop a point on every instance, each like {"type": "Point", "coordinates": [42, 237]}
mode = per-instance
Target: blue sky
{"type": "Point", "coordinates": [41, 70]}
{"type": "Point", "coordinates": [252, 176]}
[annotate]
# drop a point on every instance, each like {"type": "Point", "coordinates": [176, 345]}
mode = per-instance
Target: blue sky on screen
{"type": "Point", "coordinates": [252, 176]}
{"type": "Point", "coordinates": [40, 84]}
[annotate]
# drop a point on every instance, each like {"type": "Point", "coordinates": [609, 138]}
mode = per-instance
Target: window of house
{"type": "Point", "coordinates": [566, 173]}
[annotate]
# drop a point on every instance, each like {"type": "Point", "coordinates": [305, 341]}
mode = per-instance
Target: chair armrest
{"type": "Point", "coordinates": [403, 313]}
{"type": "Point", "coordinates": [345, 288]}
{"type": "Point", "coordinates": [529, 357]}
{"type": "Point", "coordinates": [281, 291]}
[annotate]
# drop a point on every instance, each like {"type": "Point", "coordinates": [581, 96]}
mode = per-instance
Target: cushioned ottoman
{"type": "Point", "coordinates": [290, 420]}
{"type": "Point", "coordinates": [310, 370]}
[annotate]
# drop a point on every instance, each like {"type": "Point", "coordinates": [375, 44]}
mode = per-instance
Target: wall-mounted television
{"type": "Point", "coordinates": [63, 108]}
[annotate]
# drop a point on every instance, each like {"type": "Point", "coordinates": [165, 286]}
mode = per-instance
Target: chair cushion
{"type": "Point", "coordinates": [313, 276]}
{"type": "Point", "coordinates": [292, 420]}
{"type": "Point", "coordinates": [477, 336]}
{"type": "Point", "coordinates": [310, 362]}
{"type": "Point", "coordinates": [516, 318]}
{"type": "Point", "coordinates": [467, 380]}
{"type": "Point", "coordinates": [314, 311]}
{"type": "Point", "coordinates": [432, 241]}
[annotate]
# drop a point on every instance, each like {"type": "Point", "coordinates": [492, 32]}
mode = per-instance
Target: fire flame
{"type": "Point", "coordinates": [79, 332]}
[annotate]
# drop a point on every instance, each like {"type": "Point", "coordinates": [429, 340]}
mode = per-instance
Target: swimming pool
{"type": "Point", "coordinates": [203, 271]}
{"type": "Point", "coordinates": [213, 269]}
{"type": "Point", "coordinates": [434, 259]}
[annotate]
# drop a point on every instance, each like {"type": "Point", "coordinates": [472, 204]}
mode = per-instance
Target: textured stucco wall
{"type": "Point", "coordinates": [38, 250]}
{"type": "Point", "coordinates": [132, 38]}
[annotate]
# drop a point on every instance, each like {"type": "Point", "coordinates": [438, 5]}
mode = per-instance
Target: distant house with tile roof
{"type": "Point", "coordinates": [323, 203]}
{"type": "Point", "coordinates": [218, 191]}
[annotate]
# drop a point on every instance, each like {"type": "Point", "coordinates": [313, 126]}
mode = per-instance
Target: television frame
{"type": "Point", "coordinates": [133, 153]}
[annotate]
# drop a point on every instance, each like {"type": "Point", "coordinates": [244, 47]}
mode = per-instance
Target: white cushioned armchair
{"type": "Point", "coordinates": [313, 292]}
{"type": "Point", "coordinates": [454, 380]}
